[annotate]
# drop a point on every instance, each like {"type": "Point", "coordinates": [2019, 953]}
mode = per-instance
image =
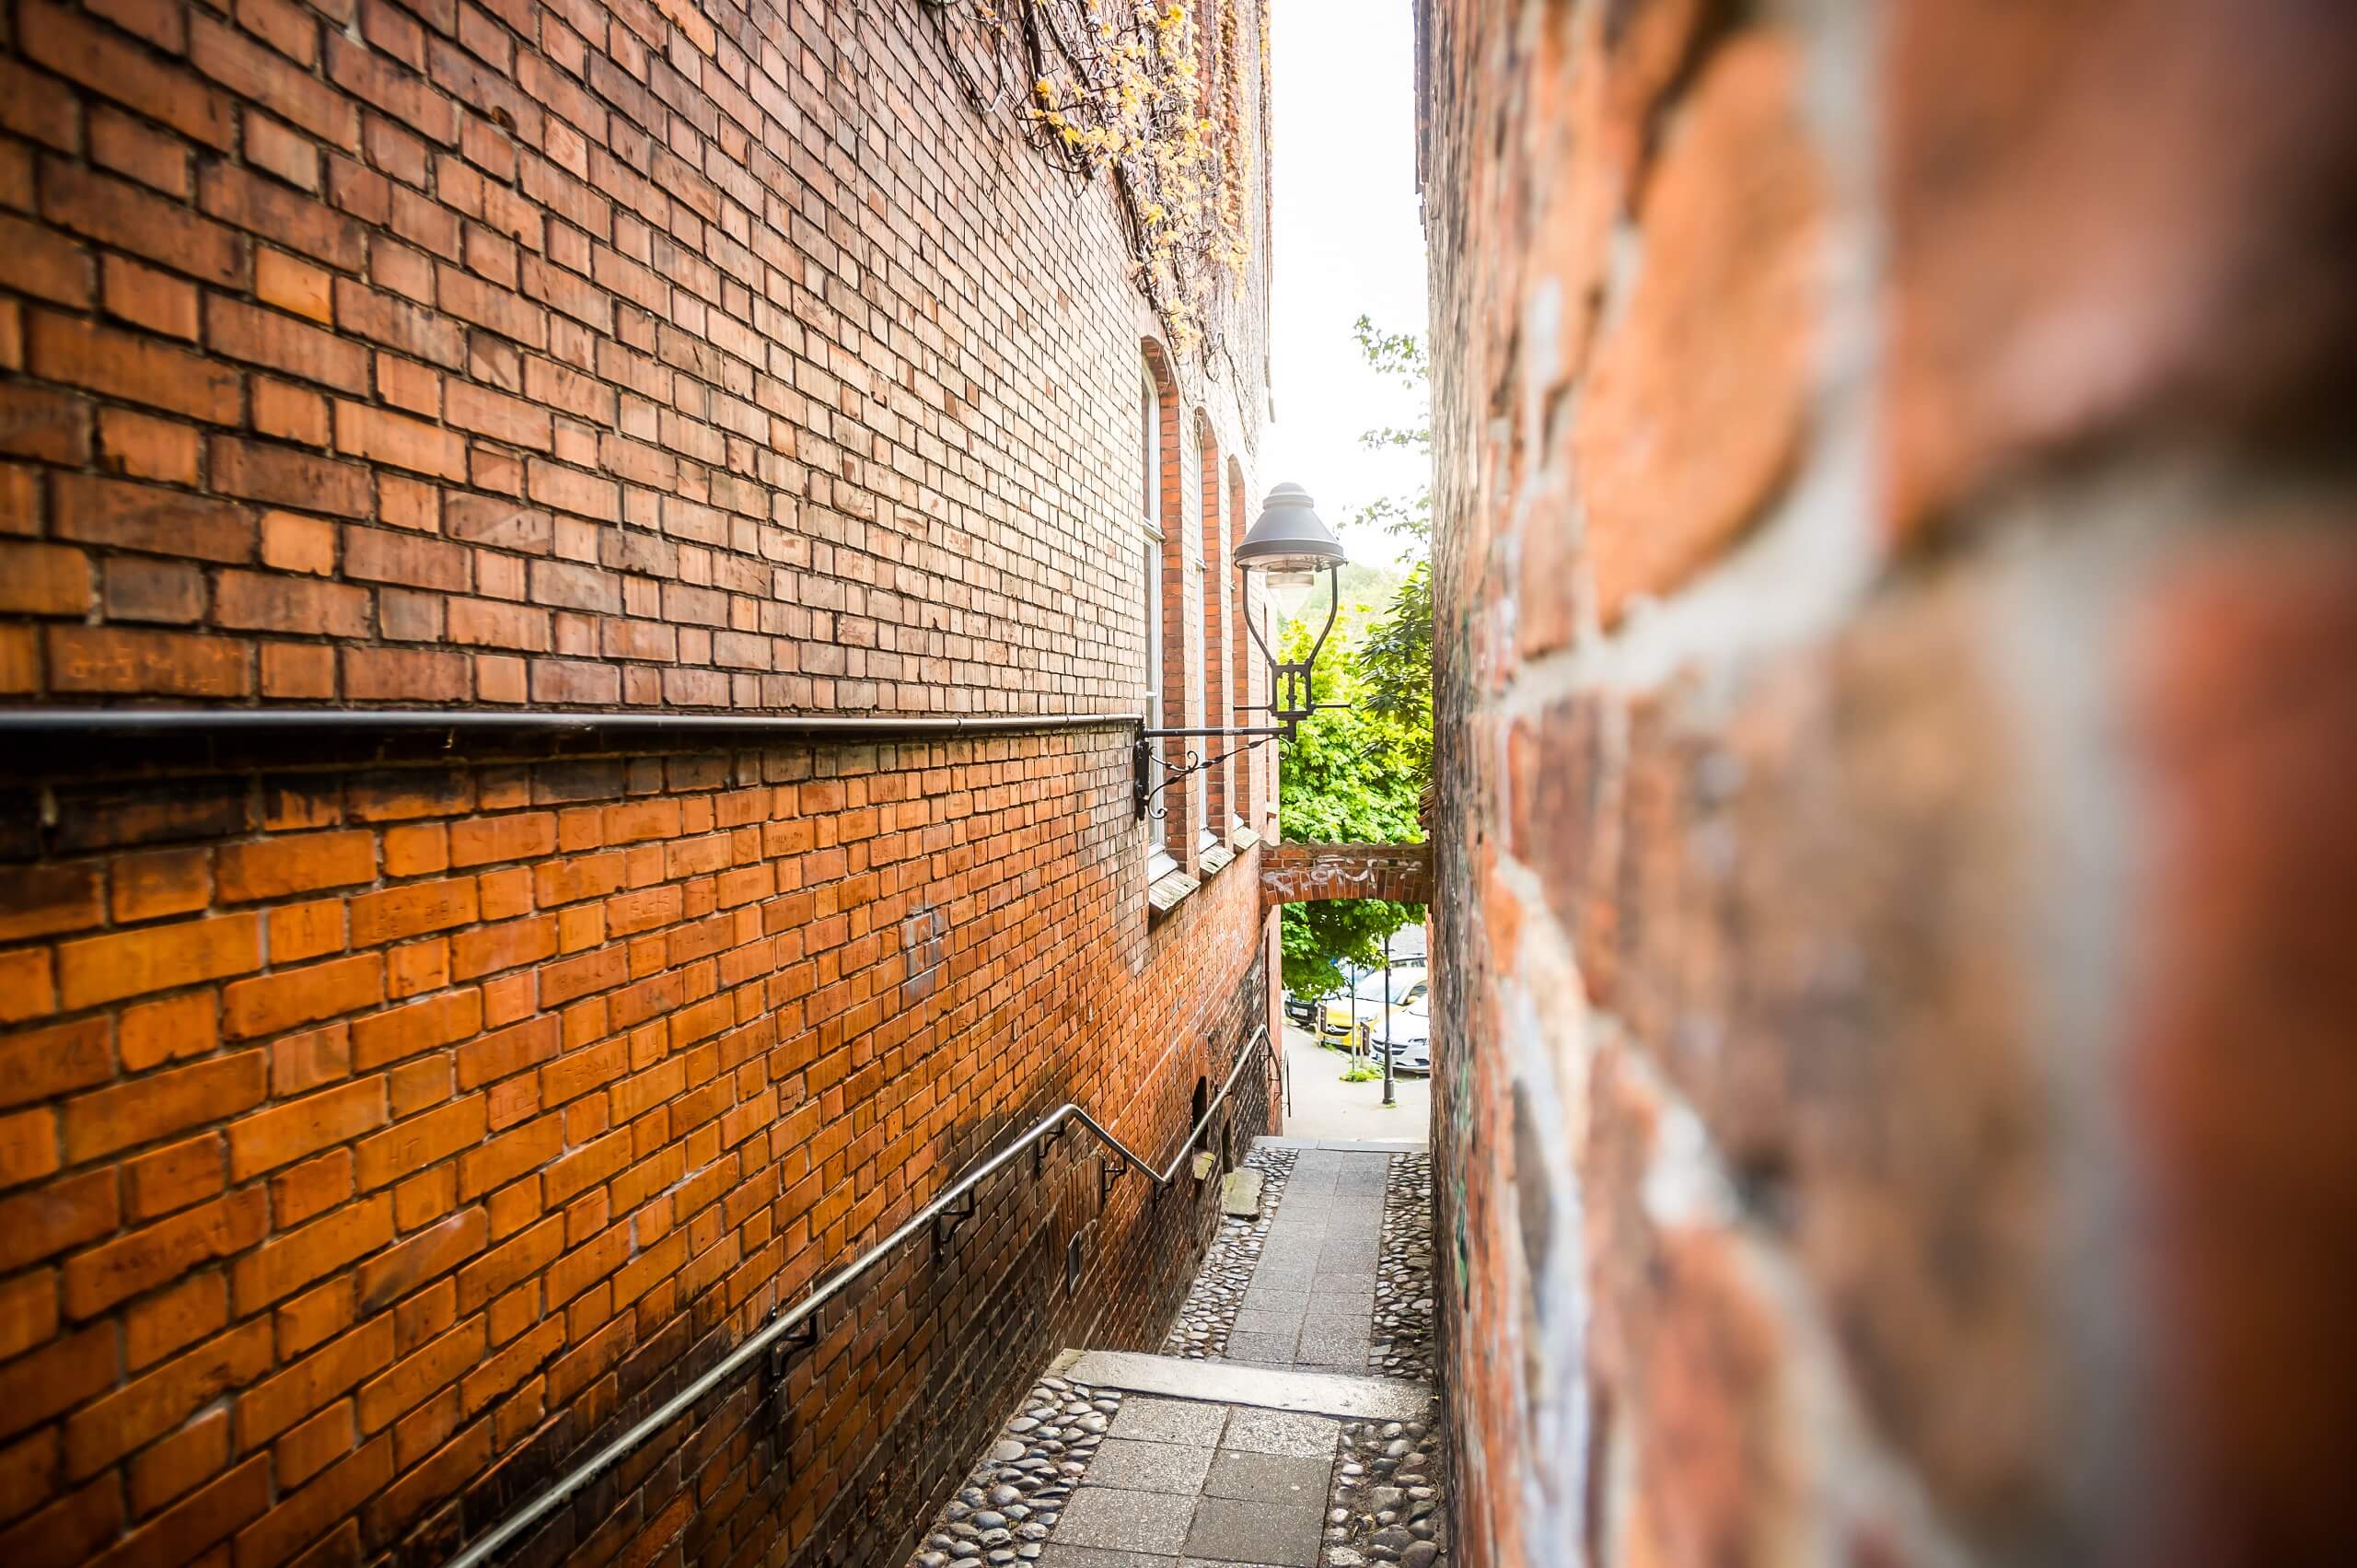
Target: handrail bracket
{"type": "Point", "coordinates": [946, 1221]}
{"type": "Point", "coordinates": [801, 1337]}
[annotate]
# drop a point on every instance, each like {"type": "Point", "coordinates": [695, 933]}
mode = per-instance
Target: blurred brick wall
{"type": "Point", "coordinates": [383, 1122]}
{"type": "Point", "coordinates": [1897, 703]}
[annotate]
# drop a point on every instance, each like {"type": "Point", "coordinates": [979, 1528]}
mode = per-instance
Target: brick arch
{"type": "Point", "coordinates": [1292, 873]}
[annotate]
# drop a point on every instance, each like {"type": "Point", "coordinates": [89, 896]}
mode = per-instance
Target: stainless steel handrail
{"type": "Point", "coordinates": [777, 1328]}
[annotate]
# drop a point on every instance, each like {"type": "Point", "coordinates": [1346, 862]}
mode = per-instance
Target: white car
{"type": "Point", "coordinates": [1413, 1052]}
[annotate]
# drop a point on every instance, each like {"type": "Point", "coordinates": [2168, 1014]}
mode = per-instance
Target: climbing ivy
{"type": "Point", "coordinates": [1117, 88]}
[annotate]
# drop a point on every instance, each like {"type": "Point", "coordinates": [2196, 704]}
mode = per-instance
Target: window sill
{"type": "Point", "coordinates": [1162, 894]}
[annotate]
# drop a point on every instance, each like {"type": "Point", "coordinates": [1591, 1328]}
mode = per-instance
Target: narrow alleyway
{"type": "Point", "coordinates": [1289, 1423]}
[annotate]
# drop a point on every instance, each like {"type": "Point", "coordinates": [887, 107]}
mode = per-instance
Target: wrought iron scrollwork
{"type": "Point", "coordinates": [1147, 761]}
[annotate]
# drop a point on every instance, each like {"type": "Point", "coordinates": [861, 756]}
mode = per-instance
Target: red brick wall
{"type": "Point", "coordinates": [1896, 598]}
{"type": "Point", "coordinates": [377, 1137]}
{"type": "Point", "coordinates": [392, 1120]}
{"type": "Point", "coordinates": [593, 354]}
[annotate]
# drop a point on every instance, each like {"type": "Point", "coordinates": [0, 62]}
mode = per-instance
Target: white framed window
{"type": "Point", "coordinates": [1159, 862]}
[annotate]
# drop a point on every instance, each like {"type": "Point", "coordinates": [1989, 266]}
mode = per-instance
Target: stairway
{"type": "Point", "coordinates": [1270, 1444]}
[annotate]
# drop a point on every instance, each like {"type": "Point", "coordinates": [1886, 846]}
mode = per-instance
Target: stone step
{"type": "Point", "coordinates": [1344, 1145]}
{"type": "Point", "coordinates": [1233, 1383]}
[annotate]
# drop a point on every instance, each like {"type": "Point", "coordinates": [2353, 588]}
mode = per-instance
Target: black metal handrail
{"type": "Point", "coordinates": [68, 721]}
{"type": "Point", "coordinates": [786, 1322]}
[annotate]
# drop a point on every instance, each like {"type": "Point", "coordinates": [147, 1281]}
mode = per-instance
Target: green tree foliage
{"type": "Point", "coordinates": [1357, 774]}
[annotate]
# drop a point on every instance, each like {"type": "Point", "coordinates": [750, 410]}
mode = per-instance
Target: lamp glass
{"type": "Point", "coordinates": [1288, 585]}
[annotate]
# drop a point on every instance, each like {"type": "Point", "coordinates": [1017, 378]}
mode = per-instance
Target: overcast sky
{"type": "Point", "coordinates": [1348, 241]}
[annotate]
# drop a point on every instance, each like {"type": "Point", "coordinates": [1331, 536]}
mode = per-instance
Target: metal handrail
{"type": "Point", "coordinates": [76, 721]}
{"type": "Point", "coordinates": [785, 1323]}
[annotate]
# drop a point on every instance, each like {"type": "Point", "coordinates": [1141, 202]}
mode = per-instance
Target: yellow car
{"type": "Point", "coordinates": [1338, 1015]}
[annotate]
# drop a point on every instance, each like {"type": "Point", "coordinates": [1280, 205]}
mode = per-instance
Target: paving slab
{"type": "Point", "coordinates": [1226, 1529]}
{"type": "Point", "coordinates": [1149, 1467]}
{"type": "Point", "coordinates": [1323, 1393]}
{"type": "Point", "coordinates": [1270, 1478]}
{"type": "Point", "coordinates": [1129, 1521]}
{"type": "Point", "coordinates": [1268, 1348]}
{"type": "Point", "coordinates": [1056, 1555]}
{"type": "Point", "coordinates": [1168, 1420]}
{"type": "Point", "coordinates": [1279, 1432]}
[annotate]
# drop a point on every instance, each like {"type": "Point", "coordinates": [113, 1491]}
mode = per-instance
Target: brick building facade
{"type": "Point", "coordinates": [1896, 643]}
{"type": "Point", "coordinates": [388, 1114]}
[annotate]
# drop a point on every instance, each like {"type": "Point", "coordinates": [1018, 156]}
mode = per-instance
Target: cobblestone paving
{"type": "Point", "coordinates": [1386, 1502]}
{"type": "Point", "coordinates": [1403, 1280]}
{"type": "Point", "coordinates": [1207, 1314]}
{"type": "Point", "coordinates": [1386, 1505]}
{"type": "Point", "coordinates": [1017, 1495]}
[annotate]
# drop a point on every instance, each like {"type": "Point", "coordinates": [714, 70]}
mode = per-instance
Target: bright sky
{"type": "Point", "coordinates": [1349, 241]}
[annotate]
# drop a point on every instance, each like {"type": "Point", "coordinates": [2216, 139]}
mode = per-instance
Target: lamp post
{"type": "Point", "coordinates": [1288, 545]}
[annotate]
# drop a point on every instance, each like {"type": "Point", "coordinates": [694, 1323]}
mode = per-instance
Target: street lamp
{"type": "Point", "coordinates": [1286, 549]}
{"type": "Point", "coordinates": [1288, 546]}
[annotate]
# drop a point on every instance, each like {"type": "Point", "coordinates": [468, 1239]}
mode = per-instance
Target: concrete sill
{"type": "Point", "coordinates": [1162, 895]}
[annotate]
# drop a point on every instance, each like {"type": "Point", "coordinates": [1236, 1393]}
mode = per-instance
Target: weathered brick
{"type": "Point", "coordinates": [283, 999]}
{"type": "Point", "coordinates": [179, 1462]}
{"type": "Point", "coordinates": [41, 262]}
{"type": "Point", "coordinates": [302, 863]}
{"type": "Point", "coordinates": [49, 1220]}
{"type": "Point", "coordinates": [287, 1262]}
{"type": "Point", "coordinates": [87, 53]}
{"type": "Point", "coordinates": [413, 1144]}
{"type": "Point", "coordinates": [161, 1253]}
{"type": "Point", "coordinates": [254, 72]}
{"type": "Point", "coordinates": [420, 1025]}
{"type": "Point", "coordinates": [121, 143]}
{"type": "Point", "coordinates": [102, 969]}
{"type": "Point", "coordinates": [172, 1178]}
{"type": "Point", "coordinates": [302, 1127]}
{"type": "Point", "coordinates": [201, 1521]}
{"type": "Point", "coordinates": [69, 1531]}
{"type": "Point", "coordinates": [55, 1378]}
{"type": "Point", "coordinates": [283, 343]}
{"type": "Point", "coordinates": [147, 447]}
{"type": "Point", "coordinates": [270, 1408]}
{"type": "Point", "coordinates": [121, 365]}
{"type": "Point", "coordinates": [412, 910]}
{"type": "Point", "coordinates": [44, 900]}
{"type": "Point", "coordinates": [139, 516]}
{"type": "Point", "coordinates": [399, 442]}
{"type": "Point", "coordinates": [112, 659]}
{"type": "Point", "coordinates": [174, 881]}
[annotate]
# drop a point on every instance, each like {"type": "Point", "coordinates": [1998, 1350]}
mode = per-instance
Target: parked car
{"type": "Point", "coordinates": [1412, 1053]}
{"type": "Point", "coordinates": [1301, 1010]}
{"type": "Point", "coordinates": [1409, 1000]}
